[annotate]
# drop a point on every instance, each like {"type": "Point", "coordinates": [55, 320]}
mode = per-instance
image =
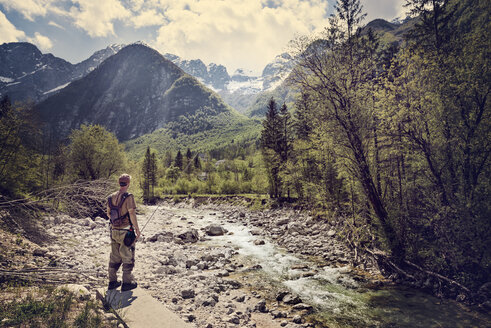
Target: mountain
{"type": "Point", "coordinates": [239, 89]}
{"type": "Point", "coordinates": [214, 76]}
{"type": "Point", "coordinates": [27, 74]}
{"type": "Point", "coordinates": [388, 33]}
{"type": "Point", "coordinates": [136, 92]}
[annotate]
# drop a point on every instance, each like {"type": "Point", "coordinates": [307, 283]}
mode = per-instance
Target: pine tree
{"type": "Point", "coordinates": [178, 161]}
{"type": "Point", "coordinates": [271, 147]}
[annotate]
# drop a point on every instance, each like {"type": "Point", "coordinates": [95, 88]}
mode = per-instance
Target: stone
{"type": "Point", "coordinates": [261, 306]}
{"type": "Point", "coordinates": [240, 298]}
{"type": "Point", "coordinates": [297, 319]}
{"type": "Point", "coordinates": [189, 236]}
{"type": "Point", "coordinates": [291, 299]}
{"type": "Point", "coordinates": [234, 319]}
{"type": "Point", "coordinates": [258, 242]}
{"type": "Point", "coordinates": [215, 230]}
{"type": "Point", "coordinates": [188, 293]}
{"type": "Point", "coordinates": [302, 306]}
{"type": "Point", "coordinates": [255, 232]}
{"type": "Point", "coordinates": [80, 292]}
{"type": "Point", "coordinates": [39, 252]}
{"type": "Point", "coordinates": [331, 233]}
{"type": "Point", "coordinates": [282, 222]}
{"type": "Point", "coordinates": [281, 295]}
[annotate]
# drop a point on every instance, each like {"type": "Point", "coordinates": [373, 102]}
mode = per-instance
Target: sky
{"type": "Point", "coordinates": [244, 34]}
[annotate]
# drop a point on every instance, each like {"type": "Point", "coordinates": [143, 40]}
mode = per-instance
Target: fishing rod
{"type": "Point", "coordinates": [151, 216]}
{"type": "Point", "coordinates": [141, 231]}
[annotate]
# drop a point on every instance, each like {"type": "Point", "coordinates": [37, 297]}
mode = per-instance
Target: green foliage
{"type": "Point", "coordinates": [396, 139]}
{"type": "Point", "coordinates": [94, 153]}
{"type": "Point", "coordinates": [20, 169]}
{"type": "Point", "coordinates": [149, 175]}
{"type": "Point", "coordinates": [87, 318]}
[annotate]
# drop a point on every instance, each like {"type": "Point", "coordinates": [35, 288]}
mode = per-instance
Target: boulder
{"type": "Point", "coordinates": [215, 230]}
{"type": "Point", "coordinates": [261, 306]}
{"type": "Point", "coordinates": [79, 291]}
{"type": "Point", "coordinates": [291, 299]}
{"type": "Point", "coordinates": [302, 306]}
{"type": "Point", "coordinates": [188, 293]}
{"type": "Point", "coordinates": [189, 236]}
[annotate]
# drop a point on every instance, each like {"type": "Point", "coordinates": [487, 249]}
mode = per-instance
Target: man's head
{"type": "Point", "coordinates": [124, 180]}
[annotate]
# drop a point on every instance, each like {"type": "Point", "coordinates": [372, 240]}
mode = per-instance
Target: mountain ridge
{"type": "Point", "coordinates": [132, 93]}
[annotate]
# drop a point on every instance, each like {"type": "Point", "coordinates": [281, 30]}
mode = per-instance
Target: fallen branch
{"type": "Point", "coordinates": [434, 274]}
{"type": "Point", "coordinates": [79, 199]}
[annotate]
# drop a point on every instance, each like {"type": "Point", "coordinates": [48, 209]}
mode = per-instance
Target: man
{"type": "Point", "coordinates": [120, 253]}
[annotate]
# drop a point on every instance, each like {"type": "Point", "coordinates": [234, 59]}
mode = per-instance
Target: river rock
{"type": "Point", "coordinates": [187, 293]}
{"type": "Point", "coordinates": [283, 221]}
{"type": "Point", "coordinates": [258, 242]}
{"type": "Point", "coordinates": [331, 233]}
{"type": "Point", "coordinates": [39, 252]}
{"type": "Point", "coordinates": [189, 236]}
{"type": "Point", "coordinates": [261, 306]}
{"type": "Point", "coordinates": [291, 299]}
{"type": "Point", "coordinates": [281, 294]}
{"type": "Point", "coordinates": [215, 230]}
{"type": "Point", "coordinates": [302, 306]}
{"type": "Point", "coordinates": [297, 319]}
{"type": "Point", "coordinates": [255, 232]}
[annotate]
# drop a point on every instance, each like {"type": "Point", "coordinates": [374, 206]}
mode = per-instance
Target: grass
{"type": "Point", "coordinates": [49, 307]}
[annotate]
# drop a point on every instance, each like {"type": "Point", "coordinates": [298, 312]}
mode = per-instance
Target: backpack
{"type": "Point", "coordinates": [114, 213]}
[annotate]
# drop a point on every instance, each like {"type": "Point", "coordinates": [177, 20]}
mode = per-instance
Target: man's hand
{"type": "Point", "coordinates": [138, 234]}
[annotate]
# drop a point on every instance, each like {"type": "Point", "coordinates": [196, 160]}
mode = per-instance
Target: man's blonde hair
{"type": "Point", "coordinates": [125, 178]}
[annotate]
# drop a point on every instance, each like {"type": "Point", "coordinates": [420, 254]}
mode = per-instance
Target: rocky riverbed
{"type": "Point", "coordinates": [225, 266]}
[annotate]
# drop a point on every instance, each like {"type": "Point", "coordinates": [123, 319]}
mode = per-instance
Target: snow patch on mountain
{"type": "Point", "coordinates": [6, 79]}
{"type": "Point", "coordinates": [56, 89]}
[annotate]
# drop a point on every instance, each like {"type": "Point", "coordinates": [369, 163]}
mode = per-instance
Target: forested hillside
{"type": "Point", "coordinates": [393, 140]}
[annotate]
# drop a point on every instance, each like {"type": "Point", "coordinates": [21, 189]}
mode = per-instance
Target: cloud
{"type": "Point", "coordinates": [234, 31]}
{"type": "Point", "coordinates": [8, 32]}
{"type": "Point", "coordinates": [386, 9]}
{"type": "Point", "coordinates": [28, 8]}
{"type": "Point", "coordinates": [96, 17]}
{"type": "Point", "coordinates": [43, 42]}
{"type": "Point", "coordinates": [56, 25]}
{"type": "Point", "coordinates": [148, 18]}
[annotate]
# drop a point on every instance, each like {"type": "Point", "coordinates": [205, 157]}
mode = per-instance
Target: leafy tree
{"type": "Point", "coordinates": [94, 153]}
{"type": "Point", "coordinates": [19, 159]}
{"type": "Point", "coordinates": [339, 76]}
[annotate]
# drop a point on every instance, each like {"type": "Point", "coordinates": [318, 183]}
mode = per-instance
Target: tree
{"type": "Point", "coordinates": [178, 161]}
{"type": "Point", "coordinates": [149, 172]}
{"type": "Point", "coordinates": [338, 74]}
{"type": "Point", "coordinates": [94, 153]}
{"type": "Point", "coordinates": [19, 159]}
{"type": "Point", "coordinates": [189, 157]}
{"type": "Point", "coordinates": [197, 162]}
{"type": "Point", "coordinates": [271, 147]}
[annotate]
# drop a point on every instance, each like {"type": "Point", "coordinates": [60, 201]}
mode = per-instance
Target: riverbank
{"type": "Point", "coordinates": [217, 263]}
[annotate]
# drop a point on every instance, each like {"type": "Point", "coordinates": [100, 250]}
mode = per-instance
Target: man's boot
{"type": "Point", "coordinates": [113, 284]}
{"type": "Point", "coordinates": [128, 286]}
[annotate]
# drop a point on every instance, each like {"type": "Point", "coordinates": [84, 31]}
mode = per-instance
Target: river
{"type": "Point", "coordinates": [338, 299]}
